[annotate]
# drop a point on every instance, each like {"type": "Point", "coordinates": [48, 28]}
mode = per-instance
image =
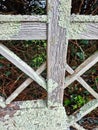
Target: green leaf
{"type": "Point", "coordinates": [85, 42]}
{"type": "Point", "coordinates": [80, 55]}
{"type": "Point", "coordinates": [7, 73]}
{"type": "Point", "coordinates": [67, 102]}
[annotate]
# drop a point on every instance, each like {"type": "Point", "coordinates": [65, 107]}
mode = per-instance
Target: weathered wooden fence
{"type": "Point", "coordinates": [58, 26]}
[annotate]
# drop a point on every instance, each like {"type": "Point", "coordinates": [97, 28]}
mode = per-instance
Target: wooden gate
{"type": "Point", "coordinates": [57, 27]}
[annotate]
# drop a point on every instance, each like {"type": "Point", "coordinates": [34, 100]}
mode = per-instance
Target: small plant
{"type": "Point", "coordinates": [38, 60]}
{"type": "Point", "coordinates": [75, 101]}
{"type": "Point", "coordinates": [79, 101]}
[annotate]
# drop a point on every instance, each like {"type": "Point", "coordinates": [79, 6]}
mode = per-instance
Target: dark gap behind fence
{"type": "Point", "coordinates": [23, 7]}
{"type": "Point", "coordinates": [86, 7]}
{"type": "Point", "coordinates": [75, 96]}
{"type": "Point", "coordinates": [34, 54]}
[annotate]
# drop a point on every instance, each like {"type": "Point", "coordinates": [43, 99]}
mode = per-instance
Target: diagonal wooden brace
{"type": "Point", "coordinates": [82, 82]}
{"type": "Point", "coordinates": [86, 65]}
{"type": "Point", "coordinates": [22, 65]}
{"type": "Point", "coordinates": [25, 84]}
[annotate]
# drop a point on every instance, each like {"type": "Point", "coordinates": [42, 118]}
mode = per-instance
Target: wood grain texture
{"type": "Point", "coordinates": [38, 31]}
{"type": "Point", "coordinates": [23, 31]}
{"type": "Point", "coordinates": [19, 105]}
{"type": "Point", "coordinates": [56, 55]}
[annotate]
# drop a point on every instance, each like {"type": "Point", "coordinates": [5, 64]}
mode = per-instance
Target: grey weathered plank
{"type": "Point", "coordinates": [84, 18]}
{"type": "Point", "coordinates": [23, 31]}
{"type": "Point", "coordinates": [25, 18]}
{"type": "Point", "coordinates": [22, 65]}
{"type": "Point", "coordinates": [56, 54]}
{"type": "Point", "coordinates": [38, 31]}
{"type": "Point", "coordinates": [83, 30]}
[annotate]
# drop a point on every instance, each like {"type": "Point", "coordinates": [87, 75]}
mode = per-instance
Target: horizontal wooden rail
{"type": "Point", "coordinates": [38, 31]}
{"type": "Point", "coordinates": [84, 18]}
{"type": "Point", "coordinates": [23, 18]}
{"type": "Point", "coordinates": [23, 31]}
{"type": "Point", "coordinates": [83, 31]}
{"type": "Point", "coordinates": [43, 18]}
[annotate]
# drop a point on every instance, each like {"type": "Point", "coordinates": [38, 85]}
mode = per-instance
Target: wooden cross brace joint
{"type": "Point", "coordinates": [76, 75]}
{"type": "Point", "coordinates": [34, 76]}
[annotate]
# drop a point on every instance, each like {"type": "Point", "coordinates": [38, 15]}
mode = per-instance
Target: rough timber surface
{"type": "Point", "coordinates": [35, 119]}
{"type": "Point", "coordinates": [38, 30]}
{"type": "Point", "coordinates": [57, 44]}
{"type": "Point", "coordinates": [22, 31]}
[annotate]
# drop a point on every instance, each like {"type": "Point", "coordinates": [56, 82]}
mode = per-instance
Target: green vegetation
{"type": "Point", "coordinates": [75, 96]}
{"type": "Point", "coordinates": [75, 101]}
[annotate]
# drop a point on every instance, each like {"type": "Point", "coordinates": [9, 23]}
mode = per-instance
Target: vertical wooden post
{"type": "Point", "coordinates": [56, 61]}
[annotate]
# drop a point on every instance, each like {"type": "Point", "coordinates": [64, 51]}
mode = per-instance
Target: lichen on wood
{"type": "Point", "coordinates": [87, 108]}
{"type": "Point", "coordinates": [64, 10]}
{"type": "Point", "coordinates": [35, 119]}
{"type": "Point", "coordinates": [9, 29]}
